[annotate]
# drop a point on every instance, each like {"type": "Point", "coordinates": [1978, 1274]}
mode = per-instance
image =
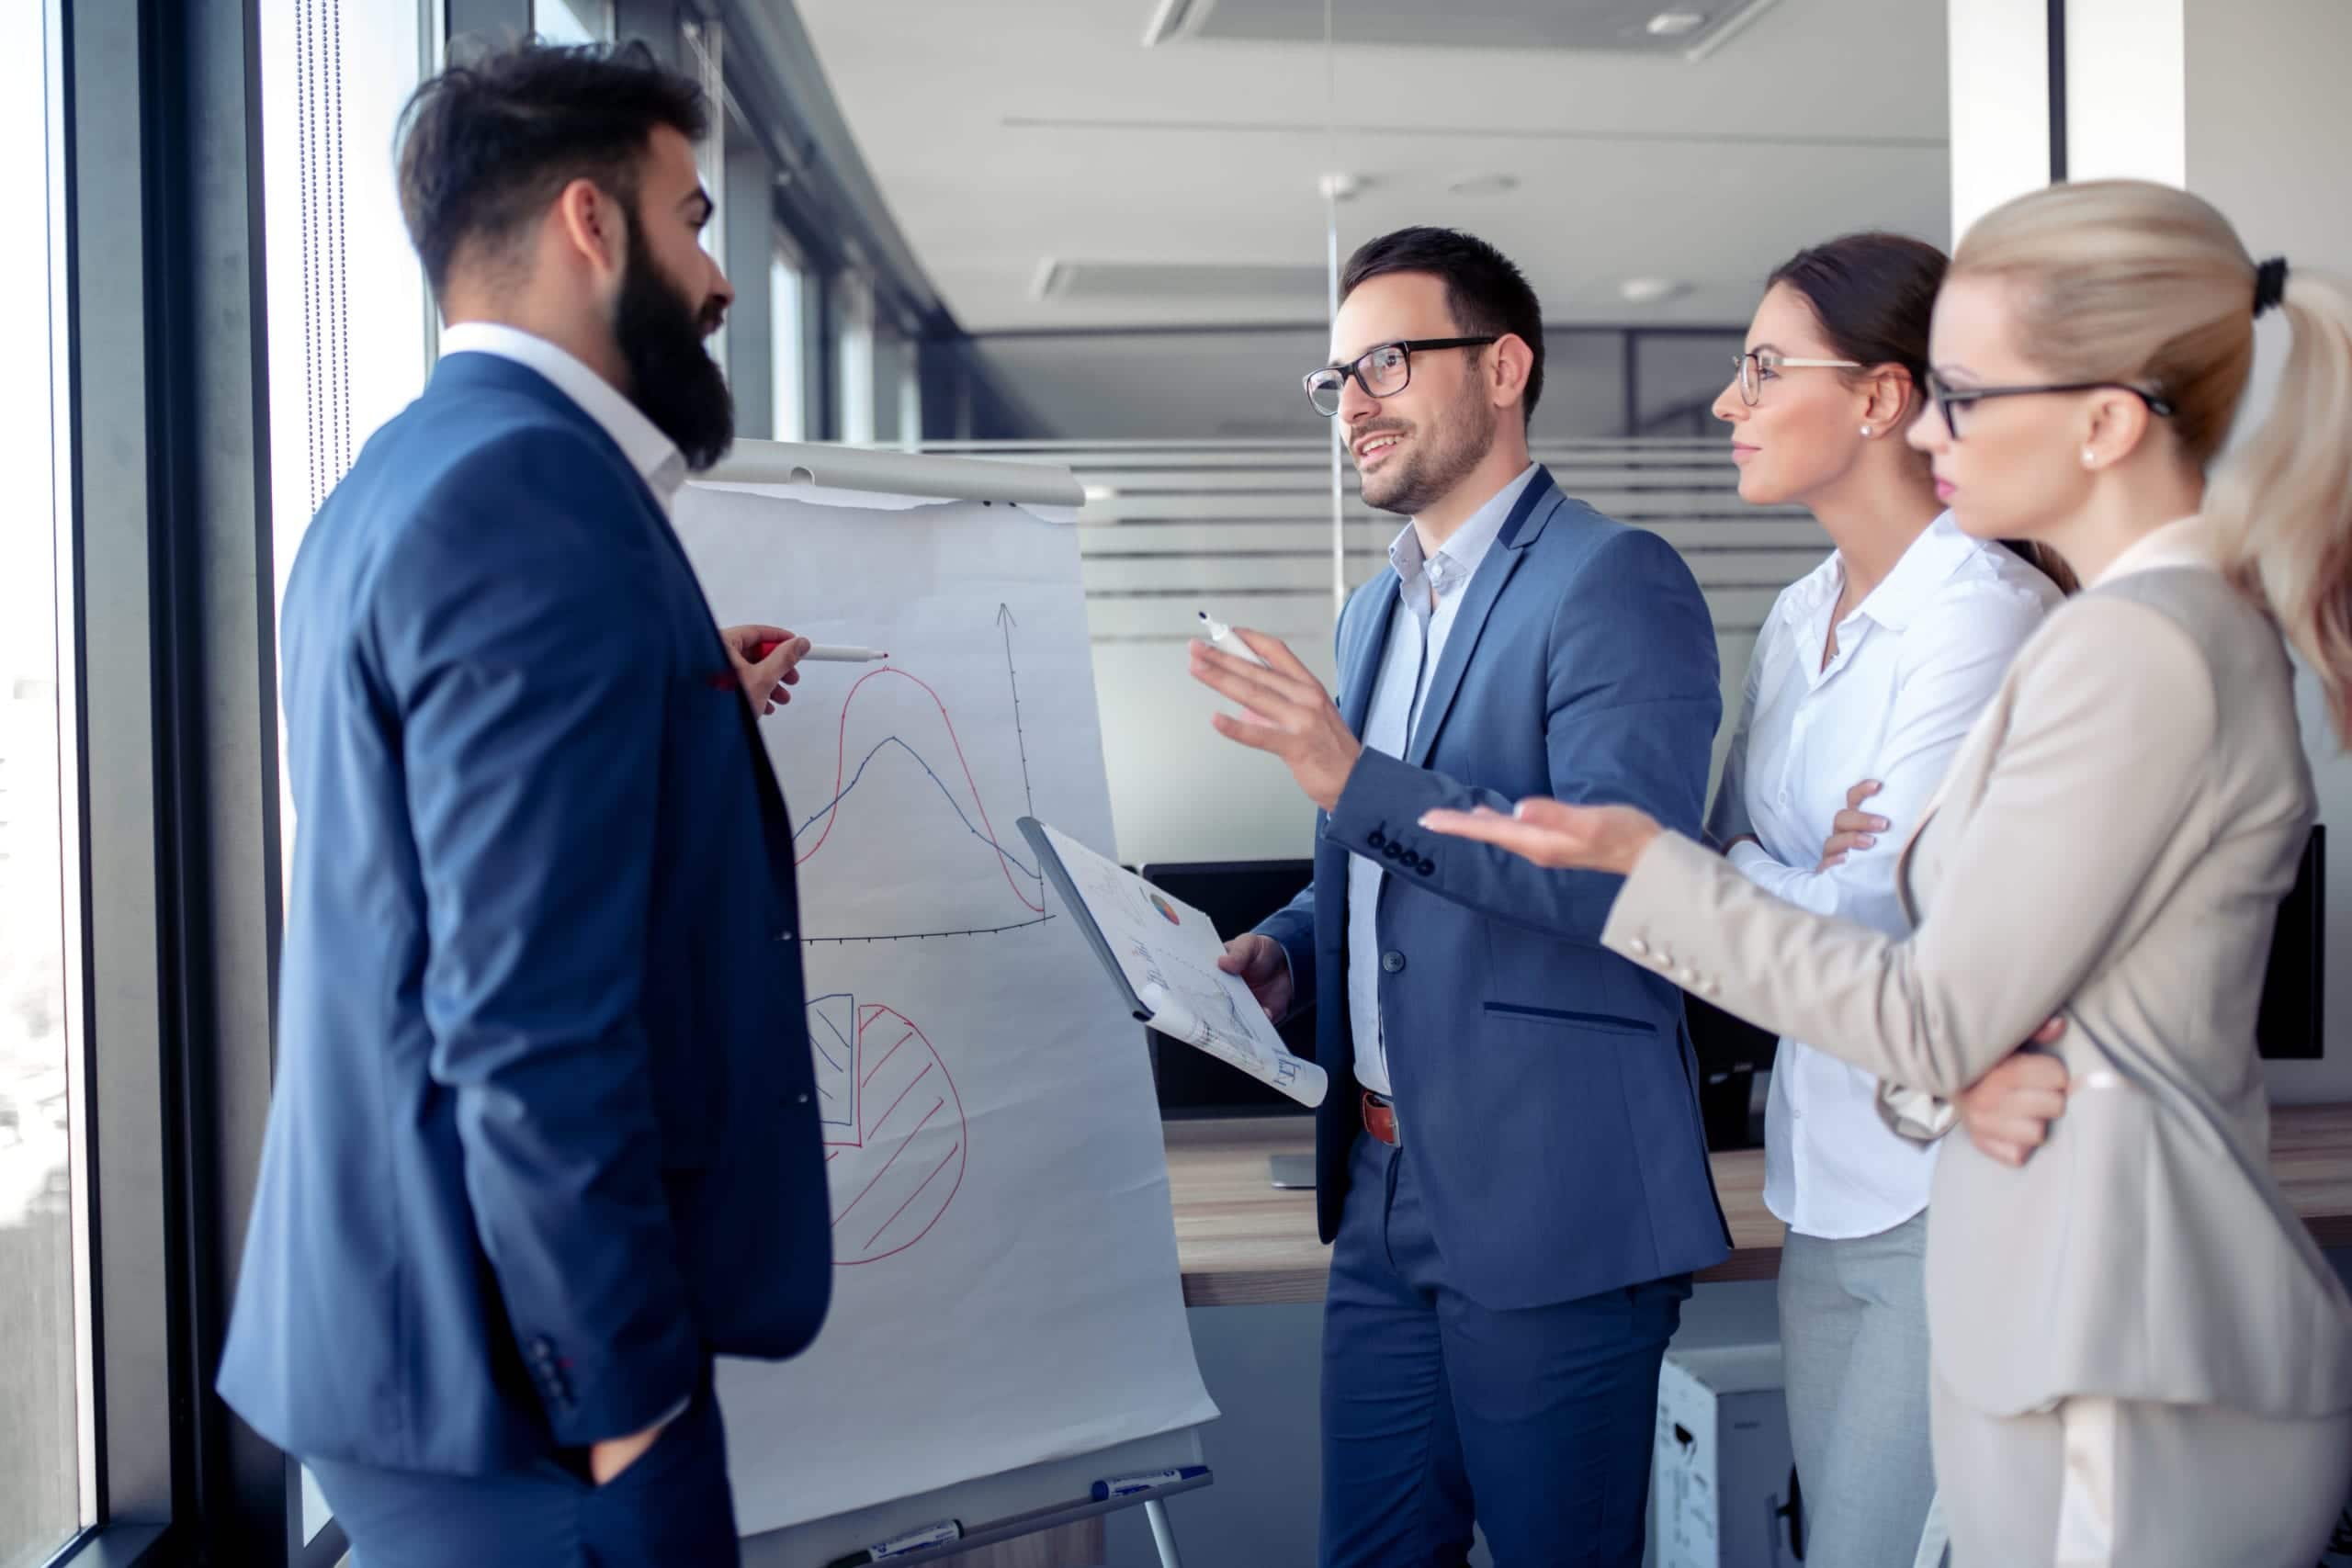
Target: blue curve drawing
{"type": "Point", "coordinates": [954, 804]}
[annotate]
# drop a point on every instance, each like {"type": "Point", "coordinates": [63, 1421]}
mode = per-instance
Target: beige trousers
{"type": "Point", "coordinates": [2120, 1483]}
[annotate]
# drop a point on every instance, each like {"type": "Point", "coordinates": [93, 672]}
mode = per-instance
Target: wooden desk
{"type": "Point", "coordinates": [1242, 1242]}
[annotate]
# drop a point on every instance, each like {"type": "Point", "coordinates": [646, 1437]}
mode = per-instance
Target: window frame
{"type": "Point", "coordinates": [169, 546]}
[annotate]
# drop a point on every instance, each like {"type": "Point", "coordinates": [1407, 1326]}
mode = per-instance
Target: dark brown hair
{"type": "Point", "coordinates": [487, 144]}
{"type": "Point", "coordinates": [1483, 291]}
{"type": "Point", "coordinates": [1874, 295]}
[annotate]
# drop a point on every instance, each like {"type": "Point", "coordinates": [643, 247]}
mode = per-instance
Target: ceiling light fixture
{"type": "Point", "coordinates": [1174, 19]}
{"type": "Point", "coordinates": [1677, 24]}
{"type": "Point", "coordinates": [1650, 290]}
{"type": "Point", "coordinates": [1731, 27]}
{"type": "Point", "coordinates": [1482, 185]}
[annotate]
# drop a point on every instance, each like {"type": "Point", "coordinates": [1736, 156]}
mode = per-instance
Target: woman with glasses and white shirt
{"type": "Point", "coordinates": [1865, 677]}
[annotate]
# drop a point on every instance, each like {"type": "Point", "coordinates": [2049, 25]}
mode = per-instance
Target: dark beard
{"type": "Point", "coordinates": [1436, 463]}
{"type": "Point", "coordinates": [673, 379]}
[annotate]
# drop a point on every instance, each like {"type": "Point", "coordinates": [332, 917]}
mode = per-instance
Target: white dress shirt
{"type": "Point", "coordinates": [1917, 660]}
{"type": "Point", "coordinates": [653, 455]}
{"type": "Point", "coordinates": [1429, 595]}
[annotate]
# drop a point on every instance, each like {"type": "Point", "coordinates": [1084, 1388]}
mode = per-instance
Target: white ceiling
{"type": "Point", "coordinates": [1008, 133]}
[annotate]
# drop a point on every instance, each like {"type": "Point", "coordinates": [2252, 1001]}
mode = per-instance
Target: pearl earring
{"type": "Point", "coordinates": [2090, 457]}
{"type": "Point", "coordinates": [1866, 433]}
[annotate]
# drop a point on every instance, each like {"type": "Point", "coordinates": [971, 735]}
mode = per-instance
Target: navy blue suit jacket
{"type": "Point", "coordinates": [1545, 1087]}
{"type": "Point", "coordinates": [542, 1137]}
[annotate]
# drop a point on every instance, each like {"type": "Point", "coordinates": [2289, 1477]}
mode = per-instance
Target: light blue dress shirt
{"type": "Point", "coordinates": [1429, 594]}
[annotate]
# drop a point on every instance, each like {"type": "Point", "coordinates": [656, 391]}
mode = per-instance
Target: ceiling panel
{"type": "Point", "coordinates": [1642, 27]}
{"type": "Point", "coordinates": [1076, 142]}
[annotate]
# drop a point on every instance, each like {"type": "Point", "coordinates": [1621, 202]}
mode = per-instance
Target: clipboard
{"type": "Point", "coordinates": [1161, 954]}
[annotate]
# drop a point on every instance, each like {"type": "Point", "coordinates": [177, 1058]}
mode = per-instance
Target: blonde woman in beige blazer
{"type": "Point", "coordinates": [2140, 1358]}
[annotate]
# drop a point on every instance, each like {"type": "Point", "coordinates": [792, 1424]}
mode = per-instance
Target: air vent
{"type": "Point", "coordinates": [1076, 282]}
{"type": "Point", "coordinates": [1628, 27]}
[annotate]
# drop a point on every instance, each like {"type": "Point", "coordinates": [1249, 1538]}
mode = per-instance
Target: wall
{"type": "Point", "coordinates": [2127, 113]}
{"type": "Point", "coordinates": [2268, 123]}
{"type": "Point", "coordinates": [1244, 383]}
{"type": "Point", "coordinates": [2000, 104]}
{"type": "Point", "coordinates": [2242, 102]}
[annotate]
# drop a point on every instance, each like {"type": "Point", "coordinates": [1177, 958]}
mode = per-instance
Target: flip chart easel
{"type": "Point", "coordinates": [1025, 1500]}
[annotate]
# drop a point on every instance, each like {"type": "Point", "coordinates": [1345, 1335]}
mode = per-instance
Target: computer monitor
{"type": "Point", "coordinates": [1235, 896]}
{"type": "Point", "coordinates": [2294, 986]}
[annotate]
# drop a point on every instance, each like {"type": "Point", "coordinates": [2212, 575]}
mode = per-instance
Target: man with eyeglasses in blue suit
{"type": "Point", "coordinates": [1511, 1165]}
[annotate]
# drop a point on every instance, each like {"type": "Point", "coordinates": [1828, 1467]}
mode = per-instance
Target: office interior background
{"type": "Point", "coordinates": [1092, 232]}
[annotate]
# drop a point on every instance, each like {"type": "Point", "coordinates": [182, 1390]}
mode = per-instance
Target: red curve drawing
{"type": "Point", "coordinates": [840, 767]}
{"type": "Point", "coordinates": [897, 1070]}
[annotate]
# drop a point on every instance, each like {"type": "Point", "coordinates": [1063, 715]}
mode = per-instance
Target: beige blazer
{"type": "Point", "coordinates": [2111, 843]}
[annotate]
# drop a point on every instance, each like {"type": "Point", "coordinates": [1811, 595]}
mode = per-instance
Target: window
{"type": "Point", "coordinates": [45, 1497]}
{"type": "Point", "coordinates": [704, 59]}
{"type": "Point", "coordinates": [572, 21]}
{"type": "Point", "coordinates": [852, 331]}
{"type": "Point", "coordinates": [909, 393]}
{"type": "Point", "coordinates": [888, 363]}
{"type": "Point", "coordinates": [351, 318]}
{"type": "Point", "coordinates": [788, 366]}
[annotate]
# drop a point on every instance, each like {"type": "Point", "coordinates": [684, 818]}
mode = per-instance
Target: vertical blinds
{"type": "Point", "coordinates": [326, 301]}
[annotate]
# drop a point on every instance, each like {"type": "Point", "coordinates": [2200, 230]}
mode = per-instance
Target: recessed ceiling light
{"type": "Point", "coordinates": [1482, 185]}
{"type": "Point", "coordinates": [1650, 290]}
{"type": "Point", "coordinates": [1677, 24]}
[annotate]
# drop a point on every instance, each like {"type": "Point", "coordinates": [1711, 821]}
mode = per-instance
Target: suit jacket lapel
{"type": "Point", "coordinates": [1534, 506]}
{"type": "Point", "coordinates": [1362, 672]}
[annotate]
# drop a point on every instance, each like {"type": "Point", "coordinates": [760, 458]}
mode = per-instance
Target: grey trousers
{"type": "Point", "coordinates": [1854, 1363]}
{"type": "Point", "coordinates": [2121, 1484]}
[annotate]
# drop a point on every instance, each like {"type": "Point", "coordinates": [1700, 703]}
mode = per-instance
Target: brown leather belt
{"type": "Point", "coordinates": [1380, 1119]}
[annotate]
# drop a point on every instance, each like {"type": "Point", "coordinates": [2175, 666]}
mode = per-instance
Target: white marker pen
{"type": "Point", "coordinates": [1219, 636]}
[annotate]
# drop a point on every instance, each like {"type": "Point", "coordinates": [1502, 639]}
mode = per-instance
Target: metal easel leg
{"type": "Point", "coordinates": [1162, 1535]}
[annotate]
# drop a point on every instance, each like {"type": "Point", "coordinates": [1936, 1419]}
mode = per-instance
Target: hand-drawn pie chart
{"type": "Point", "coordinates": [895, 1139]}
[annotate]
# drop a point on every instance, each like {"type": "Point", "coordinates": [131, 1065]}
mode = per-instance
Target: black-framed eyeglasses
{"type": "Point", "coordinates": [1949, 399]}
{"type": "Point", "coordinates": [1383, 371]}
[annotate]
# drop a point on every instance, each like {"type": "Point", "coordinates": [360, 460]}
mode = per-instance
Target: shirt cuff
{"type": "Point", "coordinates": [1292, 978]}
{"type": "Point", "coordinates": [1747, 857]}
{"type": "Point", "coordinates": [1916, 1115]}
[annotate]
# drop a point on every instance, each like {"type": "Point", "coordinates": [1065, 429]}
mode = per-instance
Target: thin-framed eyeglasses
{"type": "Point", "coordinates": [1756, 364]}
{"type": "Point", "coordinates": [1382, 371]}
{"type": "Point", "coordinates": [1949, 399]}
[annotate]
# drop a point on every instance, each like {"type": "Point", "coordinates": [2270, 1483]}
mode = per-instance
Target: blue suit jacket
{"type": "Point", "coordinates": [542, 1137]}
{"type": "Point", "coordinates": [1545, 1087]}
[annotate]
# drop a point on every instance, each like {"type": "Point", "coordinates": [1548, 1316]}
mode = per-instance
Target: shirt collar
{"type": "Point", "coordinates": [1467, 546]}
{"type": "Point", "coordinates": [2184, 541]}
{"type": "Point", "coordinates": [1934, 555]}
{"type": "Point", "coordinates": [653, 455]}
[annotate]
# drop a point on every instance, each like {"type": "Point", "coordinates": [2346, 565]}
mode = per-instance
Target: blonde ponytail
{"type": "Point", "coordinates": [2122, 280]}
{"type": "Point", "coordinates": [2284, 502]}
